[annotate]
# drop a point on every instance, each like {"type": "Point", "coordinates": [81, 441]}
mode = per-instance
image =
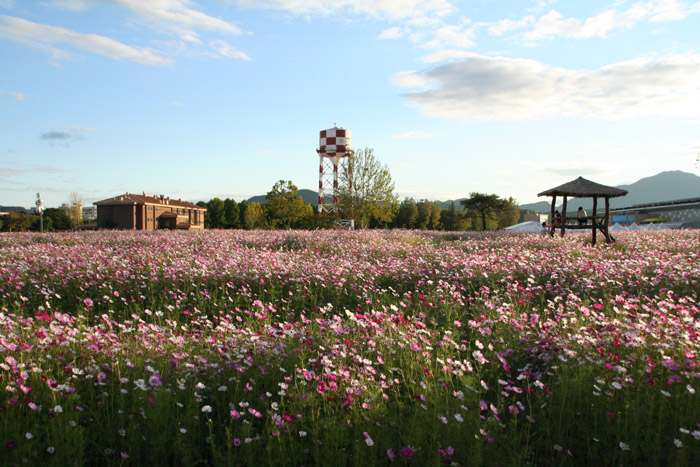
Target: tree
{"type": "Point", "coordinates": [231, 214]}
{"type": "Point", "coordinates": [509, 213]}
{"type": "Point", "coordinates": [483, 206]}
{"type": "Point", "coordinates": [242, 207]}
{"type": "Point", "coordinates": [215, 214]}
{"type": "Point", "coordinates": [56, 219]}
{"type": "Point", "coordinates": [285, 207]}
{"type": "Point", "coordinates": [254, 216]}
{"type": "Point", "coordinates": [408, 214]}
{"type": "Point", "coordinates": [75, 209]}
{"type": "Point", "coordinates": [428, 214]}
{"type": "Point", "coordinates": [366, 190]}
{"type": "Point", "coordinates": [452, 220]}
{"type": "Point", "coordinates": [16, 222]}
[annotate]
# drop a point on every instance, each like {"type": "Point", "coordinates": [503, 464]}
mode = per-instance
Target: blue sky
{"type": "Point", "coordinates": [196, 99]}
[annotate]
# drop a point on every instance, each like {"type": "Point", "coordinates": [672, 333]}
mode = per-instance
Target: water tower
{"type": "Point", "coordinates": [334, 145]}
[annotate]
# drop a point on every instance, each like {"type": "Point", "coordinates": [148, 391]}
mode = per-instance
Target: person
{"type": "Point", "coordinates": [582, 216]}
{"type": "Point", "coordinates": [557, 218]}
{"type": "Point", "coordinates": [544, 230]}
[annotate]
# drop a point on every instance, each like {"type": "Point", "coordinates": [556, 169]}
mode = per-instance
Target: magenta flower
{"type": "Point", "coordinates": [88, 302]}
{"type": "Point", "coordinates": [407, 452]}
{"type": "Point", "coordinates": [321, 387]}
{"type": "Point", "coordinates": [391, 455]}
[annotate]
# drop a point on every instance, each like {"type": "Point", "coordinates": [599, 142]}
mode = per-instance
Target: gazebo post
{"type": "Point", "coordinates": [551, 216]}
{"type": "Point", "coordinates": [595, 222]}
{"type": "Point", "coordinates": [606, 221]}
{"type": "Point", "coordinates": [563, 217]}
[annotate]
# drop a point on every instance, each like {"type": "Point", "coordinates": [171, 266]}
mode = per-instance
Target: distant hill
{"type": "Point", "coordinates": [12, 209]}
{"type": "Point", "coordinates": [309, 196]}
{"type": "Point", "coordinates": [665, 186]}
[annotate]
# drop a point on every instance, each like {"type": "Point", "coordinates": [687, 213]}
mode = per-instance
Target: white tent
{"type": "Point", "coordinates": [617, 228]}
{"type": "Point", "coordinates": [531, 226]}
{"type": "Point", "coordinates": [634, 227]}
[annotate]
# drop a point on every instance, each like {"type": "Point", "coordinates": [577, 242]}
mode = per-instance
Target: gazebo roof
{"type": "Point", "coordinates": [582, 188]}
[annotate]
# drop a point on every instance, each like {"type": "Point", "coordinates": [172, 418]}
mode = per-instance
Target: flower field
{"type": "Point", "coordinates": [349, 348]}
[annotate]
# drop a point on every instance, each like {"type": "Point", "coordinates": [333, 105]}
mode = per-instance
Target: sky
{"type": "Point", "coordinates": [198, 99]}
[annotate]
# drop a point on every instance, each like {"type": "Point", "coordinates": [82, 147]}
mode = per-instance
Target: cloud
{"type": "Point", "coordinates": [5, 171]}
{"type": "Point", "coordinates": [65, 137]}
{"type": "Point", "coordinates": [459, 36]}
{"type": "Point", "coordinates": [17, 95]}
{"type": "Point", "coordinates": [506, 25]}
{"type": "Point", "coordinates": [225, 50]}
{"type": "Point", "coordinates": [412, 135]}
{"type": "Point", "coordinates": [391, 33]}
{"type": "Point", "coordinates": [384, 9]}
{"type": "Point", "coordinates": [569, 169]}
{"type": "Point", "coordinates": [173, 15]}
{"type": "Point", "coordinates": [44, 36]}
{"type": "Point", "coordinates": [177, 16]}
{"type": "Point", "coordinates": [479, 87]}
{"type": "Point", "coordinates": [554, 24]}
{"type": "Point", "coordinates": [445, 55]}
{"type": "Point", "coordinates": [80, 128]}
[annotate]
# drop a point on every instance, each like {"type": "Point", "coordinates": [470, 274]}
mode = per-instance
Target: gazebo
{"type": "Point", "coordinates": [582, 188]}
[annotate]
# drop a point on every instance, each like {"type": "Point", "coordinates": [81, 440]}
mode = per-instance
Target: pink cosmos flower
{"type": "Point", "coordinates": [391, 455]}
{"type": "Point", "coordinates": [155, 380]}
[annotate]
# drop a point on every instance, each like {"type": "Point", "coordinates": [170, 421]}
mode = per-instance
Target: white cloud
{"type": "Point", "coordinates": [506, 25]}
{"type": "Point", "coordinates": [225, 50]}
{"type": "Point", "coordinates": [44, 36]}
{"type": "Point", "coordinates": [177, 16]}
{"type": "Point", "coordinates": [409, 79]}
{"type": "Point", "coordinates": [451, 36]}
{"type": "Point", "coordinates": [412, 135]}
{"type": "Point", "coordinates": [554, 24]}
{"type": "Point", "coordinates": [391, 33]}
{"type": "Point", "coordinates": [82, 128]}
{"type": "Point", "coordinates": [478, 87]}
{"type": "Point", "coordinates": [569, 169]}
{"type": "Point", "coordinates": [386, 9]}
{"type": "Point", "coordinates": [17, 95]}
{"type": "Point", "coordinates": [446, 54]}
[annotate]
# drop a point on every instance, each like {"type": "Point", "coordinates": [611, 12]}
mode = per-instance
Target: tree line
{"type": "Point", "coordinates": [366, 194]}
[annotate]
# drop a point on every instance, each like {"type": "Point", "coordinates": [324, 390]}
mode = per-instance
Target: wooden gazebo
{"type": "Point", "coordinates": [582, 188]}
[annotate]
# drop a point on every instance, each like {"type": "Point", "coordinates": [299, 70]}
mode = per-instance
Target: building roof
{"type": "Point", "coordinates": [131, 198]}
{"type": "Point", "coordinates": [677, 203]}
{"type": "Point", "coordinates": [582, 188]}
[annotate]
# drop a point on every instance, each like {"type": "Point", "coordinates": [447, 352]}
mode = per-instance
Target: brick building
{"type": "Point", "coordinates": [141, 212]}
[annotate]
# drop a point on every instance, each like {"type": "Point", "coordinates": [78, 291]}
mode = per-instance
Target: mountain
{"type": "Point", "coordinates": [12, 209]}
{"type": "Point", "coordinates": [309, 196]}
{"type": "Point", "coordinates": [665, 186]}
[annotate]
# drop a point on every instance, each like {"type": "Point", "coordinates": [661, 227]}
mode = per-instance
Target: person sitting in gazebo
{"type": "Point", "coordinates": [582, 216]}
